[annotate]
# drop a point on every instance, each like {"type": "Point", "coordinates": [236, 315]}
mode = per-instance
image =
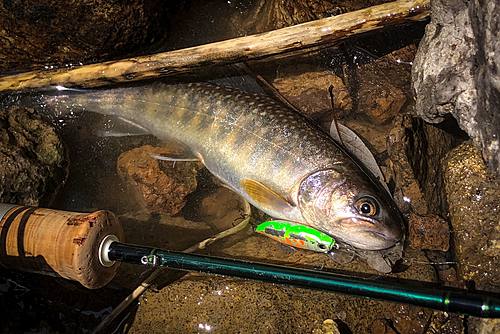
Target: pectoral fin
{"type": "Point", "coordinates": [175, 156]}
{"type": "Point", "coordinates": [265, 197]}
{"type": "Point", "coordinates": [115, 126]}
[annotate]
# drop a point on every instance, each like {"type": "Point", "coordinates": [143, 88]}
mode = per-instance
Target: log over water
{"type": "Point", "coordinates": [322, 32]}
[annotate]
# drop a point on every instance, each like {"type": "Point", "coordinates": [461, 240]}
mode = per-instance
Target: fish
{"type": "Point", "coordinates": [271, 155]}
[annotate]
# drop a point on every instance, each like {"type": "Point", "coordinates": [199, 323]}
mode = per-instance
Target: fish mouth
{"type": "Point", "coordinates": [362, 233]}
{"type": "Point", "coordinates": [389, 239]}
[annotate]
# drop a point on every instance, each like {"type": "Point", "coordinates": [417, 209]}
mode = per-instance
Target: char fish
{"type": "Point", "coordinates": [271, 155]}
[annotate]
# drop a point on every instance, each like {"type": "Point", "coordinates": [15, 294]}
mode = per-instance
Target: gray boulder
{"type": "Point", "coordinates": [456, 72]}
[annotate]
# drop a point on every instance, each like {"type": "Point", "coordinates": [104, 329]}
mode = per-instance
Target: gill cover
{"type": "Point", "coordinates": [315, 194]}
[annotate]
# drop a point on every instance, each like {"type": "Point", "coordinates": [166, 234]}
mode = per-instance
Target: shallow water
{"type": "Point", "coordinates": [36, 304]}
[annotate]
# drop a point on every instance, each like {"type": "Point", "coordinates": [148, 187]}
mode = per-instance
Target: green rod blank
{"type": "Point", "coordinates": [450, 300]}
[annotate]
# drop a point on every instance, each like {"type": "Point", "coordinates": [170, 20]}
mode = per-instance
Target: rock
{"type": "Point", "coordinates": [276, 14]}
{"type": "Point", "coordinates": [473, 196]}
{"type": "Point", "coordinates": [455, 72]}
{"type": "Point", "coordinates": [446, 323]}
{"type": "Point", "coordinates": [180, 232]}
{"type": "Point", "coordinates": [232, 305]}
{"type": "Point", "coordinates": [374, 136]}
{"type": "Point", "coordinates": [328, 327]}
{"type": "Point", "coordinates": [219, 203]}
{"type": "Point", "coordinates": [159, 186]}
{"type": "Point", "coordinates": [384, 85]}
{"type": "Point", "coordinates": [382, 327]}
{"type": "Point", "coordinates": [429, 232]}
{"type": "Point", "coordinates": [449, 277]}
{"type": "Point", "coordinates": [164, 221]}
{"type": "Point", "coordinates": [415, 150]}
{"type": "Point", "coordinates": [404, 145]}
{"type": "Point", "coordinates": [439, 322]}
{"type": "Point", "coordinates": [483, 326]}
{"type": "Point", "coordinates": [33, 161]}
{"type": "Point", "coordinates": [227, 305]}
{"type": "Point", "coordinates": [36, 34]}
{"type": "Point", "coordinates": [408, 319]}
{"type": "Point", "coordinates": [308, 91]}
{"type": "Point", "coordinates": [380, 102]}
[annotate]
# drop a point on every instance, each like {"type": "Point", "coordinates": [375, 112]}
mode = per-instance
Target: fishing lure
{"type": "Point", "coordinates": [297, 235]}
{"type": "Point", "coordinates": [305, 237]}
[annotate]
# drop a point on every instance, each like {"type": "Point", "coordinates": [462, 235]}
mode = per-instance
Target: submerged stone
{"type": "Point", "coordinates": [415, 150]}
{"type": "Point", "coordinates": [229, 305]}
{"type": "Point", "coordinates": [159, 186]}
{"type": "Point", "coordinates": [33, 161]}
{"type": "Point", "coordinates": [308, 91]}
{"type": "Point", "coordinates": [429, 232]}
{"type": "Point", "coordinates": [384, 85]}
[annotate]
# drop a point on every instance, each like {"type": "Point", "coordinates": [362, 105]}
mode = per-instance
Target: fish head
{"type": "Point", "coordinates": [353, 209]}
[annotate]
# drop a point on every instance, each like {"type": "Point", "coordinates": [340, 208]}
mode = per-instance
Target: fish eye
{"type": "Point", "coordinates": [366, 206]}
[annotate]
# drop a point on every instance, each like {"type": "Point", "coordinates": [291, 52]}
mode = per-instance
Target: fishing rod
{"type": "Point", "coordinates": [88, 248]}
{"type": "Point", "coordinates": [457, 301]}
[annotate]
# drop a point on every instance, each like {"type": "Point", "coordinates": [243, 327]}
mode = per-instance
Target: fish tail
{"type": "Point", "coordinates": [105, 102]}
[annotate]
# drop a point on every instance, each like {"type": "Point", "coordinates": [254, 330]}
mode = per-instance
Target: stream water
{"type": "Point", "coordinates": [198, 303]}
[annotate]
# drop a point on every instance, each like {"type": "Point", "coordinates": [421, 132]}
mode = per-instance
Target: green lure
{"type": "Point", "coordinates": [297, 235]}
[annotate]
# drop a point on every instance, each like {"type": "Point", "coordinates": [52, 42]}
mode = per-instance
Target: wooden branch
{"type": "Point", "coordinates": [321, 32]}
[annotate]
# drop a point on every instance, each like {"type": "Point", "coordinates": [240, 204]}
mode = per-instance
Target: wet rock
{"type": "Point", "coordinates": [275, 14]}
{"type": "Point", "coordinates": [449, 277]}
{"type": "Point", "coordinates": [308, 91]}
{"type": "Point", "coordinates": [473, 196]}
{"type": "Point", "coordinates": [229, 305]}
{"type": "Point", "coordinates": [328, 327]}
{"type": "Point", "coordinates": [415, 150]}
{"type": "Point", "coordinates": [33, 162]}
{"type": "Point", "coordinates": [446, 323]}
{"type": "Point", "coordinates": [483, 326]}
{"type": "Point", "coordinates": [177, 233]}
{"type": "Point", "coordinates": [382, 327]}
{"type": "Point", "coordinates": [374, 136]}
{"type": "Point", "coordinates": [36, 34]}
{"type": "Point", "coordinates": [429, 232]}
{"type": "Point", "coordinates": [408, 319]}
{"type": "Point", "coordinates": [384, 85]}
{"type": "Point", "coordinates": [219, 203]}
{"type": "Point", "coordinates": [404, 145]}
{"type": "Point", "coordinates": [159, 186]}
{"type": "Point", "coordinates": [380, 102]}
{"type": "Point", "coordinates": [220, 304]}
{"type": "Point", "coordinates": [163, 220]}
{"type": "Point", "coordinates": [455, 72]}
